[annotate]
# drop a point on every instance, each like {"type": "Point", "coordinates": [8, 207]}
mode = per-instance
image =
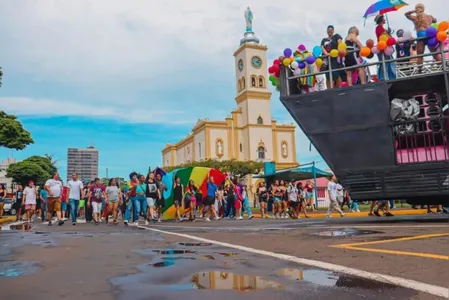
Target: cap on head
{"type": "Point", "coordinates": [330, 27]}
{"type": "Point", "coordinates": [379, 19]}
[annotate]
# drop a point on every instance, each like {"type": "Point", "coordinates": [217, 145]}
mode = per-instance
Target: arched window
{"type": "Point", "coordinates": [243, 83]}
{"type": "Point", "coordinates": [199, 147]}
{"type": "Point", "coordinates": [259, 120]}
{"type": "Point", "coordinates": [240, 85]}
{"type": "Point", "coordinates": [241, 147]}
{"type": "Point", "coordinates": [253, 81]}
{"type": "Point", "coordinates": [261, 152]}
{"type": "Point", "coordinates": [261, 82]}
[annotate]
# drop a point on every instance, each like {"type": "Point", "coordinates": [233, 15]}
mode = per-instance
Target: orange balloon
{"type": "Point", "coordinates": [292, 59]}
{"type": "Point", "coordinates": [365, 52]}
{"type": "Point", "coordinates": [441, 36]}
{"type": "Point", "coordinates": [382, 45]}
{"type": "Point", "coordinates": [443, 26]}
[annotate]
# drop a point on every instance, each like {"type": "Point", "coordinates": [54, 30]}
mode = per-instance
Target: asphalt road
{"type": "Point", "coordinates": [249, 259]}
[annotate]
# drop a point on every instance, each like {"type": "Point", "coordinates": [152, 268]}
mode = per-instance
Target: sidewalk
{"type": "Point", "coordinates": [396, 212]}
{"type": "Point", "coordinates": [7, 219]}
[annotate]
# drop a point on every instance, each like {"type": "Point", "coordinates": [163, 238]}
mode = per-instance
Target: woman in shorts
{"type": "Point", "coordinates": [178, 195]}
{"type": "Point", "coordinates": [210, 199]}
{"type": "Point", "coordinates": [262, 194]}
{"type": "Point", "coordinates": [302, 200]}
{"type": "Point", "coordinates": [29, 197]}
{"type": "Point", "coordinates": [113, 198]}
{"type": "Point", "coordinates": [309, 194]}
{"type": "Point", "coordinates": [277, 195]}
{"type": "Point", "coordinates": [284, 198]}
{"type": "Point", "coordinates": [190, 199]}
{"type": "Point", "coordinates": [153, 194]}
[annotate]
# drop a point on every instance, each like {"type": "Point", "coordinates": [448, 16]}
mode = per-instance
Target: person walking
{"type": "Point", "coordinates": [333, 203]}
{"type": "Point", "coordinates": [75, 190]}
{"type": "Point", "coordinates": [2, 198]}
{"type": "Point", "coordinates": [190, 199]}
{"type": "Point", "coordinates": [18, 197]}
{"type": "Point", "coordinates": [54, 189]}
{"type": "Point", "coordinates": [245, 202]}
{"type": "Point", "coordinates": [97, 192]}
{"type": "Point", "coordinates": [152, 194]}
{"type": "Point", "coordinates": [29, 198]}
{"type": "Point", "coordinates": [113, 198]}
{"type": "Point", "coordinates": [161, 201]}
{"type": "Point", "coordinates": [131, 194]}
{"type": "Point", "coordinates": [178, 196]}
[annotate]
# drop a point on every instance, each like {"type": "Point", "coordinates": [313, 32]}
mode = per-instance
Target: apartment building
{"type": "Point", "coordinates": [83, 161]}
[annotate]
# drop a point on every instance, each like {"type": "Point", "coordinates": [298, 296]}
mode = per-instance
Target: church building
{"type": "Point", "coordinates": [249, 133]}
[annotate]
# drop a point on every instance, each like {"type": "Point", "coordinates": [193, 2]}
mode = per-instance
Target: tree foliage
{"type": "Point", "coordinates": [234, 167]}
{"type": "Point", "coordinates": [12, 133]}
{"type": "Point", "coordinates": [36, 168]}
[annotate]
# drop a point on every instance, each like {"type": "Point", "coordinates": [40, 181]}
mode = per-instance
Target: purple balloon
{"type": "Point", "coordinates": [288, 52]}
{"type": "Point", "coordinates": [310, 59]}
{"type": "Point", "coordinates": [301, 65]}
{"type": "Point", "coordinates": [432, 42]}
{"type": "Point", "coordinates": [302, 47]}
{"type": "Point", "coordinates": [431, 32]}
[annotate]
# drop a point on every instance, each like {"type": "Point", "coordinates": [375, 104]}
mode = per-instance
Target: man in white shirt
{"type": "Point", "coordinates": [54, 189]}
{"type": "Point", "coordinates": [76, 192]}
{"type": "Point", "coordinates": [333, 203]}
{"type": "Point", "coordinates": [292, 193]}
{"type": "Point", "coordinates": [339, 194]}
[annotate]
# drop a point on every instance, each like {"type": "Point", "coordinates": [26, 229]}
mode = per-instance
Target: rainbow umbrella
{"type": "Point", "coordinates": [383, 7]}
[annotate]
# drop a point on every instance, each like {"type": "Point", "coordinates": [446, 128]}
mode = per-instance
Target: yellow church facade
{"type": "Point", "coordinates": [249, 133]}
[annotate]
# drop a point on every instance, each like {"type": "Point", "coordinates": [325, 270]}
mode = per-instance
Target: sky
{"type": "Point", "coordinates": [131, 76]}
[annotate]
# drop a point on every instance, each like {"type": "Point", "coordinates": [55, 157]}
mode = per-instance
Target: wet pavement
{"type": "Point", "coordinates": [117, 262]}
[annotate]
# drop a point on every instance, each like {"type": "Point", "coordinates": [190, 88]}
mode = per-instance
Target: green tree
{"type": "Point", "coordinates": [45, 163]}
{"type": "Point", "coordinates": [12, 133]}
{"type": "Point", "coordinates": [24, 171]}
{"type": "Point", "coordinates": [234, 167]}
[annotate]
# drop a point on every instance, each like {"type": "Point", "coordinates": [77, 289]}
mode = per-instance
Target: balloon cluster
{"type": "Point", "coordinates": [296, 61]}
{"type": "Point", "coordinates": [437, 33]}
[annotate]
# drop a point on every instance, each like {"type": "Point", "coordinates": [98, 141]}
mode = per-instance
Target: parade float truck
{"type": "Point", "coordinates": [384, 140]}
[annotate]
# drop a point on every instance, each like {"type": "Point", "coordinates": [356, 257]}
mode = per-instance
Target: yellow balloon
{"type": "Point", "coordinates": [319, 62]}
{"type": "Point", "coordinates": [334, 53]}
{"type": "Point", "coordinates": [342, 46]}
{"type": "Point", "coordinates": [383, 38]}
{"type": "Point", "coordinates": [286, 62]}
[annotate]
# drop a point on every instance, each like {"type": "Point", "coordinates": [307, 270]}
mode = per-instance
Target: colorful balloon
{"type": "Point", "coordinates": [302, 65]}
{"type": "Point", "coordinates": [334, 53]}
{"type": "Point", "coordinates": [276, 62]}
{"type": "Point", "coordinates": [319, 62]}
{"type": "Point", "coordinates": [342, 53]}
{"type": "Point", "coordinates": [302, 47]}
{"type": "Point", "coordinates": [391, 41]}
{"type": "Point", "coordinates": [382, 45]}
{"type": "Point", "coordinates": [389, 51]}
{"type": "Point", "coordinates": [365, 52]}
{"type": "Point", "coordinates": [294, 65]}
{"type": "Point", "coordinates": [342, 46]}
{"type": "Point", "coordinates": [297, 72]}
{"type": "Point", "coordinates": [441, 36]}
{"type": "Point", "coordinates": [431, 32]}
{"type": "Point", "coordinates": [271, 77]}
{"type": "Point", "coordinates": [317, 51]}
{"type": "Point", "coordinates": [286, 62]}
{"type": "Point", "coordinates": [288, 52]}
{"type": "Point", "coordinates": [443, 26]}
{"type": "Point", "coordinates": [432, 42]}
{"type": "Point", "coordinates": [370, 43]}
{"type": "Point", "coordinates": [375, 50]}
{"type": "Point", "coordinates": [276, 68]}
{"type": "Point", "coordinates": [383, 38]}
{"type": "Point", "coordinates": [310, 59]}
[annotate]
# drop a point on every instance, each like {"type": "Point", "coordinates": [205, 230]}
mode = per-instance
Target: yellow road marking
{"type": "Point", "coordinates": [355, 246]}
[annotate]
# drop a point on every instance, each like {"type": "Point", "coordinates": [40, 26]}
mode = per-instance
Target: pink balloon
{"type": "Point", "coordinates": [302, 47]}
{"type": "Point", "coordinates": [389, 51]}
{"type": "Point", "coordinates": [374, 50]}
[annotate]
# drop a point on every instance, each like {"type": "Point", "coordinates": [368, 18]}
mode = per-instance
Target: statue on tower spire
{"type": "Point", "coordinates": [249, 19]}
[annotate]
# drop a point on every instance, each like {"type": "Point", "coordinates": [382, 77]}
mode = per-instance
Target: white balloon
{"type": "Point", "coordinates": [407, 35]}
{"type": "Point", "coordinates": [374, 50]}
{"type": "Point", "coordinates": [297, 72]}
{"type": "Point", "coordinates": [294, 65]}
{"type": "Point", "coordinates": [389, 51]}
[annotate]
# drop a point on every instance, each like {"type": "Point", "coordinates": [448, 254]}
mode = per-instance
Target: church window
{"type": "Point", "coordinates": [253, 81]}
{"type": "Point", "coordinates": [261, 152]}
{"type": "Point", "coordinates": [261, 82]}
{"type": "Point", "coordinates": [259, 120]}
{"type": "Point", "coordinates": [199, 147]}
{"type": "Point", "coordinates": [243, 83]}
{"type": "Point", "coordinates": [240, 85]}
{"type": "Point", "coordinates": [219, 148]}
{"type": "Point", "coordinates": [241, 147]}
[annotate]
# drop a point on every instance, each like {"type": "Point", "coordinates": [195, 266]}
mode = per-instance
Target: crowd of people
{"type": "Point", "coordinates": [357, 72]}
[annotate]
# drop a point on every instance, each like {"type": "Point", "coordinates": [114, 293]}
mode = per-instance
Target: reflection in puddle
{"type": "Point", "coordinates": [195, 244]}
{"type": "Point", "coordinates": [331, 279]}
{"type": "Point", "coordinates": [228, 254]}
{"type": "Point", "coordinates": [162, 264]}
{"type": "Point", "coordinates": [216, 280]}
{"type": "Point", "coordinates": [348, 232]}
{"type": "Point", "coordinates": [178, 258]}
{"type": "Point", "coordinates": [17, 268]}
{"type": "Point", "coordinates": [21, 226]}
{"type": "Point", "coordinates": [173, 251]}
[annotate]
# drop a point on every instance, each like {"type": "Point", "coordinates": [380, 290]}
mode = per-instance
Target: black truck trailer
{"type": "Point", "coordinates": [384, 140]}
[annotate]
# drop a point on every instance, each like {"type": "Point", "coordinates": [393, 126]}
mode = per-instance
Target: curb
{"type": "Point", "coordinates": [408, 212]}
{"type": "Point", "coordinates": [7, 219]}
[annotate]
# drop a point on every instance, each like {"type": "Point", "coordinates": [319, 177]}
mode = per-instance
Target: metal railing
{"type": "Point", "coordinates": [383, 62]}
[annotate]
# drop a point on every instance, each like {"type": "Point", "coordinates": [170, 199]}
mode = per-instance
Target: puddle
{"type": "Point", "coordinates": [17, 268]}
{"type": "Point", "coordinates": [162, 264]}
{"type": "Point", "coordinates": [332, 279]}
{"type": "Point", "coordinates": [195, 244]}
{"type": "Point", "coordinates": [216, 280]}
{"type": "Point", "coordinates": [346, 232]}
{"type": "Point", "coordinates": [15, 227]}
{"type": "Point", "coordinates": [228, 254]}
{"type": "Point", "coordinates": [178, 258]}
{"type": "Point", "coordinates": [173, 251]}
